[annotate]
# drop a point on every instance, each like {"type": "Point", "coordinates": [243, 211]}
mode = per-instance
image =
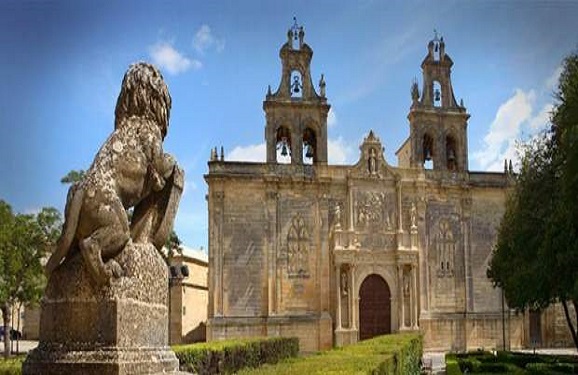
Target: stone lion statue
{"type": "Point", "coordinates": [128, 170]}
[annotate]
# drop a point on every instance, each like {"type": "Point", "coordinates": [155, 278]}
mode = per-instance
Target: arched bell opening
{"type": "Point", "coordinates": [451, 154]}
{"type": "Point", "coordinates": [296, 87]}
{"type": "Point", "coordinates": [438, 94]}
{"type": "Point", "coordinates": [283, 145]}
{"type": "Point", "coordinates": [427, 151]}
{"type": "Point", "coordinates": [309, 146]}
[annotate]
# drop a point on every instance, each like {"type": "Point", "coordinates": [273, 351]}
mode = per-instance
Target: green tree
{"type": "Point", "coordinates": [536, 254]}
{"type": "Point", "coordinates": [24, 242]}
{"type": "Point", "coordinates": [73, 176]}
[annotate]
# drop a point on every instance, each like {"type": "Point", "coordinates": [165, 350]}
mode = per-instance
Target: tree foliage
{"type": "Point", "coordinates": [24, 242]}
{"type": "Point", "coordinates": [536, 255]}
{"type": "Point", "coordinates": [73, 176]}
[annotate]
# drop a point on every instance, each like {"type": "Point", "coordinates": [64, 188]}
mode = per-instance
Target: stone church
{"type": "Point", "coordinates": [336, 254]}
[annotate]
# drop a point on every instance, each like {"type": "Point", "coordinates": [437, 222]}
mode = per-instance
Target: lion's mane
{"type": "Point", "coordinates": [144, 94]}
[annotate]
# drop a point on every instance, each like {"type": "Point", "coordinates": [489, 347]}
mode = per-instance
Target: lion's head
{"type": "Point", "coordinates": [144, 94]}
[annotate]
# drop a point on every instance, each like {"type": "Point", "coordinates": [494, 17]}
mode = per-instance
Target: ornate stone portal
{"type": "Point", "coordinates": [105, 306]}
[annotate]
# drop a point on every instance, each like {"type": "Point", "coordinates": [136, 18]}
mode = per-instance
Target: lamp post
{"type": "Point", "coordinates": [177, 273]}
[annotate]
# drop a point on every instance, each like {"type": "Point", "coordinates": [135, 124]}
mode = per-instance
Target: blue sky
{"type": "Point", "coordinates": [63, 61]}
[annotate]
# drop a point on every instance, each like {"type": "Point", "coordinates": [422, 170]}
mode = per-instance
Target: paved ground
{"type": "Point", "coordinates": [558, 351]}
{"type": "Point", "coordinates": [23, 346]}
{"type": "Point", "coordinates": [435, 361]}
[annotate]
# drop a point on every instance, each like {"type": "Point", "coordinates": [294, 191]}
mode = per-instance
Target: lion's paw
{"type": "Point", "coordinates": [113, 269]}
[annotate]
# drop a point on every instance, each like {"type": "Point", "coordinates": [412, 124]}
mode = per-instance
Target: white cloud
{"type": "Point", "coordinates": [167, 57]}
{"type": "Point", "coordinates": [204, 39]}
{"type": "Point", "coordinates": [542, 119]}
{"type": "Point", "coordinates": [506, 127]}
{"type": "Point", "coordinates": [331, 118]}
{"type": "Point", "coordinates": [552, 81]}
{"type": "Point", "coordinates": [339, 151]}
{"type": "Point", "coordinates": [255, 153]}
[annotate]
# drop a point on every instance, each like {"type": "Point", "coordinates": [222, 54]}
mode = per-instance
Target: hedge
{"type": "Point", "coordinates": [550, 368]}
{"type": "Point", "coordinates": [12, 366]}
{"type": "Point", "coordinates": [227, 357]}
{"type": "Point", "coordinates": [398, 354]}
{"type": "Point", "coordinates": [452, 366]}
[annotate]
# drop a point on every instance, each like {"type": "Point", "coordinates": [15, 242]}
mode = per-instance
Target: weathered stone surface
{"type": "Point", "coordinates": [290, 245]}
{"type": "Point", "coordinates": [105, 306]}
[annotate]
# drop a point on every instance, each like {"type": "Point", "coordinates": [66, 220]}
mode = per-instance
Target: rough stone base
{"type": "Point", "coordinates": [55, 361]}
{"type": "Point", "coordinates": [472, 331]}
{"type": "Point", "coordinates": [120, 329]}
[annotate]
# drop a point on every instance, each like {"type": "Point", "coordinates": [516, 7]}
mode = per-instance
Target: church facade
{"type": "Point", "coordinates": [337, 254]}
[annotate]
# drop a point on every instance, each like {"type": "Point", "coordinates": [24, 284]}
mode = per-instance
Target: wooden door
{"type": "Point", "coordinates": [374, 307]}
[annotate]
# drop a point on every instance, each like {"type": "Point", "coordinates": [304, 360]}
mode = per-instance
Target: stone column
{"type": "Point", "coordinates": [354, 298]}
{"type": "Point", "coordinates": [338, 289]}
{"type": "Point", "coordinates": [400, 299]}
{"type": "Point", "coordinates": [416, 297]}
{"type": "Point", "coordinates": [399, 209]}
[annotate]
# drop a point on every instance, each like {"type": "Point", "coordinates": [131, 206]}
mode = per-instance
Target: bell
{"type": "Point", "coordinates": [427, 154]}
{"type": "Point", "coordinates": [437, 95]}
{"type": "Point", "coordinates": [284, 150]}
{"type": "Point", "coordinates": [309, 151]}
{"type": "Point", "coordinates": [451, 155]}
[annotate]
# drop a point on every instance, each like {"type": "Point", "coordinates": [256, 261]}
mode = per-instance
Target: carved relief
{"type": "Point", "coordinates": [344, 283]}
{"type": "Point", "coordinates": [445, 245]}
{"type": "Point", "coordinates": [375, 209]}
{"type": "Point", "coordinates": [298, 249]}
{"type": "Point", "coordinates": [336, 214]}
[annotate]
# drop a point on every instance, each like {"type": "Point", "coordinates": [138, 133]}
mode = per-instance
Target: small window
{"type": "Point", "coordinates": [184, 310]}
{"type": "Point", "coordinates": [437, 94]}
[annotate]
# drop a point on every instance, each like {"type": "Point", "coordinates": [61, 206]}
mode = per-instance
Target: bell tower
{"type": "Point", "coordinates": [438, 125]}
{"type": "Point", "coordinates": [296, 115]}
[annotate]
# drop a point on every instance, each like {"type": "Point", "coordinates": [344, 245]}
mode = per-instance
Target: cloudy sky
{"type": "Point", "coordinates": [63, 61]}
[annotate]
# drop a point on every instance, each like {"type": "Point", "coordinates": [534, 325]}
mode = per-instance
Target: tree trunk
{"type": "Point", "coordinates": [6, 322]}
{"type": "Point", "coordinates": [569, 320]}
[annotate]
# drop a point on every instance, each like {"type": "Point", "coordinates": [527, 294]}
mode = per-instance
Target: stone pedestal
{"type": "Point", "coordinates": [118, 329]}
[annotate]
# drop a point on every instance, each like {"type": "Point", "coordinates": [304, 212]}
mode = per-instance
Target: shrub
{"type": "Point", "coordinates": [495, 368]}
{"type": "Point", "coordinates": [397, 354]}
{"type": "Point", "coordinates": [12, 366]}
{"type": "Point", "coordinates": [550, 368]}
{"type": "Point", "coordinates": [469, 364]}
{"type": "Point", "coordinates": [230, 356]}
{"type": "Point", "coordinates": [452, 366]}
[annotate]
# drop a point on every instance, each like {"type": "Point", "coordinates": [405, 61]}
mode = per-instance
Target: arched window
{"type": "Point", "coordinates": [427, 151]}
{"type": "Point", "coordinates": [283, 145]}
{"type": "Point", "coordinates": [446, 247]}
{"type": "Point", "coordinates": [296, 87]}
{"type": "Point", "coordinates": [437, 94]}
{"type": "Point", "coordinates": [451, 153]}
{"type": "Point", "coordinates": [309, 146]}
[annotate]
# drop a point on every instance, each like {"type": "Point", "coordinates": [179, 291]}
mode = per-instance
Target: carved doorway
{"type": "Point", "coordinates": [374, 307]}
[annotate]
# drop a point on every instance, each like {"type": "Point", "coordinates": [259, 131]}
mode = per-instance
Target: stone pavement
{"type": "Point", "coordinates": [434, 362]}
{"type": "Point", "coordinates": [24, 346]}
